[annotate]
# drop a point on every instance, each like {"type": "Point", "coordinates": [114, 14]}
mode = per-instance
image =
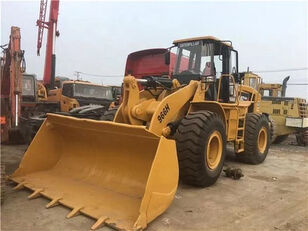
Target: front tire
{"type": "Point", "coordinates": [201, 148]}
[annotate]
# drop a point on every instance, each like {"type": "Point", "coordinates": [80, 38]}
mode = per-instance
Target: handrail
{"type": "Point", "coordinates": [219, 85]}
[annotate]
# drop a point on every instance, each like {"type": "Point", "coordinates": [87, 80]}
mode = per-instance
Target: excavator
{"type": "Point", "coordinates": [124, 173]}
{"type": "Point", "coordinates": [11, 68]}
{"type": "Point", "coordinates": [62, 95]}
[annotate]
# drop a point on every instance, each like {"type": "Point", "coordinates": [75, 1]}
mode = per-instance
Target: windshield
{"type": "Point", "coordinates": [117, 91]}
{"type": "Point", "coordinates": [92, 91]}
{"type": "Point", "coordinates": [28, 87]}
{"type": "Point", "coordinates": [199, 58]}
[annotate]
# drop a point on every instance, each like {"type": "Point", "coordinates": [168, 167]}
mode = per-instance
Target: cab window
{"type": "Point", "coordinates": [67, 90]}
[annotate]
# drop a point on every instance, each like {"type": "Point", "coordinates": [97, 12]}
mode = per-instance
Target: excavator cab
{"type": "Point", "coordinates": [29, 88]}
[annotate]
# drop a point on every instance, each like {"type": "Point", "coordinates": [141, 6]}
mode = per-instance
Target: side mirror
{"type": "Point", "coordinates": [167, 58]}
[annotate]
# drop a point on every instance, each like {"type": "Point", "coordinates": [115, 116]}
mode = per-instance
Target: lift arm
{"type": "Point", "coordinates": [156, 106]}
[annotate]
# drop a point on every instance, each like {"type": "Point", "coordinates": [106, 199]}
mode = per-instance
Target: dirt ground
{"type": "Point", "coordinates": [271, 196]}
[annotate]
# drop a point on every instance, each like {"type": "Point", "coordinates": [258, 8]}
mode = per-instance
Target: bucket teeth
{"type": "Point", "coordinates": [74, 212]}
{"type": "Point", "coordinates": [19, 186]}
{"type": "Point", "coordinates": [36, 193]}
{"type": "Point", "coordinates": [54, 202]}
{"type": "Point", "coordinates": [99, 223]}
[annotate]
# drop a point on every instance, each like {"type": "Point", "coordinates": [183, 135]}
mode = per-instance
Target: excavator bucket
{"type": "Point", "coordinates": [121, 175]}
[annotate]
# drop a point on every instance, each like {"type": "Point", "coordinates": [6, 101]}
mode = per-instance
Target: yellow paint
{"type": "Point", "coordinates": [233, 123]}
{"type": "Point", "coordinates": [54, 95]}
{"type": "Point", "coordinates": [67, 103]}
{"type": "Point", "coordinates": [214, 150]}
{"type": "Point", "coordinates": [41, 92]}
{"type": "Point", "coordinates": [201, 38]}
{"type": "Point", "coordinates": [139, 107]}
{"type": "Point", "coordinates": [262, 140]}
{"type": "Point", "coordinates": [123, 172]}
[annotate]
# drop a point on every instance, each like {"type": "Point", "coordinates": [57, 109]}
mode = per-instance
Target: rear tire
{"type": "Point", "coordinates": [280, 139]}
{"type": "Point", "coordinates": [256, 139]}
{"type": "Point", "coordinates": [273, 130]}
{"type": "Point", "coordinates": [201, 145]}
{"type": "Point", "coordinates": [302, 138]}
{"type": "Point", "coordinates": [109, 114]}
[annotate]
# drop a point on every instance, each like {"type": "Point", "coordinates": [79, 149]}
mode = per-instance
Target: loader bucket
{"type": "Point", "coordinates": [121, 175]}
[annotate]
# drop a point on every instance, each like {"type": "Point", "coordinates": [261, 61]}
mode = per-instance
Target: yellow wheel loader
{"type": "Point", "coordinates": [124, 173]}
{"type": "Point", "coordinates": [288, 115]}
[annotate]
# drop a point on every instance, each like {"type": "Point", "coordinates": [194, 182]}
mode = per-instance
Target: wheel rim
{"type": "Point", "coordinates": [262, 140]}
{"type": "Point", "coordinates": [214, 150]}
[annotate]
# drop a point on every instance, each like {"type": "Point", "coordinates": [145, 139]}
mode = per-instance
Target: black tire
{"type": "Point", "coordinates": [302, 138]}
{"type": "Point", "coordinates": [273, 130]}
{"type": "Point", "coordinates": [16, 136]}
{"type": "Point", "coordinates": [280, 139]}
{"type": "Point", "coordinates": [109, 114]}
{"type": "Point", "coordinates": [192, 139]}
{"type": "Point", "coordinates": [253, 154]}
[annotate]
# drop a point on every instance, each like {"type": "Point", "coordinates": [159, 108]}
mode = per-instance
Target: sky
{"type": "Point", "coordinates": [96, 36]}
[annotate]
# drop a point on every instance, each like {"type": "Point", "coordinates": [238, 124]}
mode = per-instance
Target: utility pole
{"type": "Point", "coordinates": [77, 73]}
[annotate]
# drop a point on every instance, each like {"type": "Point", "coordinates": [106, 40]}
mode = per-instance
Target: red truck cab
{"type": "Point", "coordinates": [150, 62]}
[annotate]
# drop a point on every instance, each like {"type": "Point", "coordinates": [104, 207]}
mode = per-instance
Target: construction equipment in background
{"type": "Point", "coordinates": [51, 26]}
{"type": "Point", "coordinates": [79, 99]}
{"type": "Point", "coordinates": [274, 90]}
{"type": "Point", "coordinates": [125, 173]}
{"type": "Point", "coordinates": [76, 93]}
{"type": "Point", "coordinates": [67, 95]}
{"type": "Point", "coordinates": [62, 95]}
{"type": "Point", "coordinates": [21, 93]}
{"type": "Point", "coordinates": [12, 66]}
{"type": "Point", "coordinates": [33, 95]}
{"type": "Point", "coordinates": [289, 115]}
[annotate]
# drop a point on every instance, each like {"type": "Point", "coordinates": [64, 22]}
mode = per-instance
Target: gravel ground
{"type": "Point", "coordinates": [270, 196]}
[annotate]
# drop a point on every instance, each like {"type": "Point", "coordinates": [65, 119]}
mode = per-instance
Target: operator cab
{"type": "Point", "coordinates": [207, 59]}
{"type": "Point", "coordinates": [29, 88]}
{"type": "Point", "coordinates": [87, 93]}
